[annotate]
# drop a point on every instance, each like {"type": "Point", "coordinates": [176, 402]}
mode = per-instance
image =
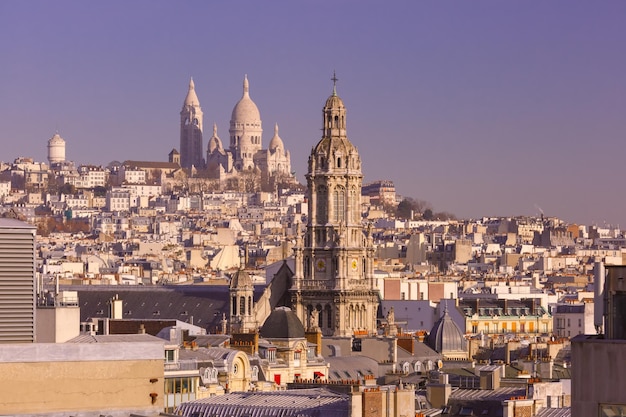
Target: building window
{"type": "Point", "coordinates": [339, 205]}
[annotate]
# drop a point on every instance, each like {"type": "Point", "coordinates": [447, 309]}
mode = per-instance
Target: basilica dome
{"type": "Point", "coordinates": [276, 141]}
{"type": "Point", "coordinates": [215, 143]}
{"type": "Point", "coordinates": [245, 110]}
{"type": "Point", "coordinates": [282, 323]}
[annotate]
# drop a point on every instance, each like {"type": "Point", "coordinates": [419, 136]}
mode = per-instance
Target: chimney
{"type": "Point", "coordinates": [438, 394]}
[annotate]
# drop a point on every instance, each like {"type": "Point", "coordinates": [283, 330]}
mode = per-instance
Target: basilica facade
{"type": "Point", "coordinates": [244, 159]}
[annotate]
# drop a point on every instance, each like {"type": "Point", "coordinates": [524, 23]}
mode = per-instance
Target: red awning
{"type": "Point", "coordinates": [318, 374]}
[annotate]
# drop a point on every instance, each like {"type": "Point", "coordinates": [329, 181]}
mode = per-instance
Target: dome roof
{"type": "Point", "coordinates": [446, 336]}
{"type": "Point", "coordinates": [276, 141]}
{"type": "Point", "coordinates": [240, 279]}
{"type": "Point", "coordinates": [245, 109]}
{"type": "Point", "coordinates": [282, 323]}
{"type": "Point", "coordinates": [215, 143]}
{"type": "Point", "coordinates": [192, 98]}
{"type": "Point", "coordinates": [56, 140]}
{"type": "Point", "coordinates": [328, 146]}
{"type": "Point", "coordinates": [334, 101]}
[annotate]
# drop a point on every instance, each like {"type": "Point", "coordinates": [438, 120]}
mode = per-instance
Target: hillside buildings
{"type": "Point", "coordinates": [210, 291]}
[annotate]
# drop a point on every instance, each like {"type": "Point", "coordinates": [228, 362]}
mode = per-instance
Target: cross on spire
{"type": "Point", "coordinates": [334, 79]}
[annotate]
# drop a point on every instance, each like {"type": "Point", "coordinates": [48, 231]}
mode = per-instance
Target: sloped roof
{"type": "Point", "coordinates": [202, 305]}
{"type": "Point", "coordinates": [289, 403]}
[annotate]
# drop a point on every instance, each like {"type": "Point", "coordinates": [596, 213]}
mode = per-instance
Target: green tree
{"type": "Point", "coordinates": [67, 189]}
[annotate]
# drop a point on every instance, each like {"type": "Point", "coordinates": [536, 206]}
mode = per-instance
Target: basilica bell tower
{"type": "Point", "coordinates": [333, 286]}
{"type": "Point", "coordinates": [191, 153]}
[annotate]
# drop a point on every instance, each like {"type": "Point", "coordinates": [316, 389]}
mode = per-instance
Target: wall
{"type": "Point", "coordinates": [101, 378]}
{"type": "Point", "coordinates": [598, 374]}
{"type": "Point", "coordinates": [57, 324]}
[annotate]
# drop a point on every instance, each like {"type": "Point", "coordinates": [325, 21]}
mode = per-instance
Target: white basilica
{"type": "Point", "coordinates": [244, 159]}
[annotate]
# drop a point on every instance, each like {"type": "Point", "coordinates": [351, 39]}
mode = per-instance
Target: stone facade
{"type": "Point", "coordinates": [333, 284]}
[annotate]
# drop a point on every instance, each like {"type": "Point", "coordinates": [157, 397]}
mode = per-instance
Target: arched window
{"type": "Point", "coordinates": [234, 303]}
{"type": "Point", "coordinates": [339, 204]}
{"type": "Point", "coordinates": [329, 316]}
{"type": "Point", "coordinates": [353, 206]}
{"type": "Point", "coordinates": [322, 203]}
{"type": "Point", "coordinates": [242, 306]}
{"type": "Point", "coordinates": [406, 368]}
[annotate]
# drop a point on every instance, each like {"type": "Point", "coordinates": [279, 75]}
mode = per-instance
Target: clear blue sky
{"type": "Point", "coordinates": [479, 107]}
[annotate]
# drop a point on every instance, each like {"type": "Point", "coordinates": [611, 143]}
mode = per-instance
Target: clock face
{"type": "Point", "coordinates": [321, 265]}
{"type": "Point", "coordinates": [354, 264]}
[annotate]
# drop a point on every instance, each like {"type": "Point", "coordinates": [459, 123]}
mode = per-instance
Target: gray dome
{"type": "Point", "coordinates": [282, 323]}
{"type": "Point", "coordinates": [240, 280]}
{"type": "Point", "coordinates": [446, 336]}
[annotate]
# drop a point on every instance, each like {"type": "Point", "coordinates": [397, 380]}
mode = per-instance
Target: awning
{"type": "Point", "coordinates": [318, 374]}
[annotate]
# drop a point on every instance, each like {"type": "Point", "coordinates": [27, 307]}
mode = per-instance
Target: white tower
{"type": "Point", "coordinates": [245, 130]}
{"type": "Point", "coordinates": [191, 150]}
{"type": "Point", "coordinates": [334, 263]}
{"type": "Point", "coordinates": [56, 149]}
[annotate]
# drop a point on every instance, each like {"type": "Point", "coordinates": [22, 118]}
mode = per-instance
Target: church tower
{"type": "Point", "coordinates": [191, 131]}
{"type": "Point", "coordinates": [241, 291]}
{"type": "Point", "coordinates": [333, 282]}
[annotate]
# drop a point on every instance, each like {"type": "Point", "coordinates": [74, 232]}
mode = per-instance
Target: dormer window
{"type": "Point", "coordinates": [339, 162]}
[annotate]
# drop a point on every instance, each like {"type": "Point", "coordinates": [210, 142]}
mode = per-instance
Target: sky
{"type": "Point", "coordinates": [481, 108]}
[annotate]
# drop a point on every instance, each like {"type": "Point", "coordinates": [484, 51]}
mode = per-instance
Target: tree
{"type": "Point", "coordinates": [99, 191]}
{"type": "Point", "coordinates": [67, 189]}
{"type": "Point", "coordinates": [419, 206]}
{"type": "Point", "coordinates": [428, 214]}
{"type": "Point", "coordinates": [409, 207]}
{"type": "Point", "coordinates": [404, 209]}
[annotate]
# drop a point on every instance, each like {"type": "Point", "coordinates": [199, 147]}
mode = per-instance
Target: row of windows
{"type": "Point", "coordinates": [339, 205]}
{"type": "Point", "coordinates": [504, 328]}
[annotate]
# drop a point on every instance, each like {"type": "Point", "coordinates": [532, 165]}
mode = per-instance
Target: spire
{"type": "Point", "coordinates": [192, 86]}
{"type": "Point", "coordinates": [276, 129]}
{"type": "Point", "coordinates": [214, 129]}
{"type": "Point", "coordinates": [335, 79]}
{"type": "Point", "coordinates": [246, 86]}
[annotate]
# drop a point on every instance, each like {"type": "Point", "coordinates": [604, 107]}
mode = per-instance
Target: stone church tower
{"type": "Point", "coordinates": [333, 282]}
{"type": "Point", "coordinates": [191, 150]}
